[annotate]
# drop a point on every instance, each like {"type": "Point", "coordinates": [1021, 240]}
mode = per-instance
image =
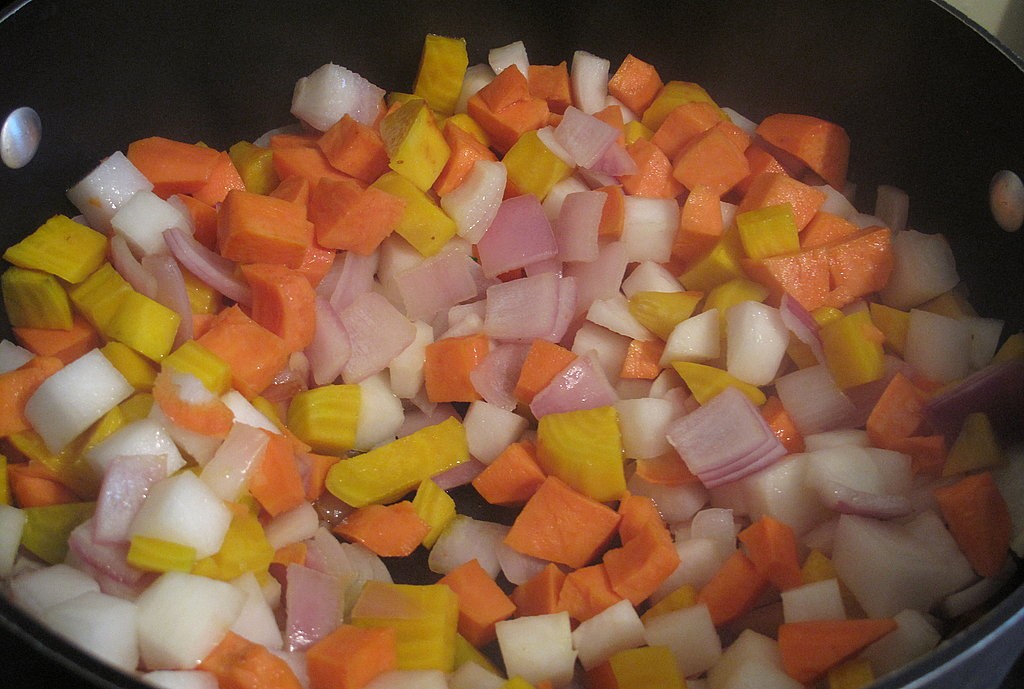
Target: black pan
{"type": "Point", "coordinates": [932, 104]}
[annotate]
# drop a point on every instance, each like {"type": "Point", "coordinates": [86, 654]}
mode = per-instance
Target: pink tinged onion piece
{"type": "Point", "coordinates": [331, 92]}
{"type": "Point", "coordinates": [348, 278]}
{"type": "Point", "coordinates": [496, 376]}
{"type": "Point", "coordinates": [814, 402]}
{"type": "Point", "coordinates": [523, 309]}
{"type": "Point", "coordinates": [228, 472]}
{"type": "Point", "coordinates": [801, 323]}
{"type": "Point", "coordinates": [588, 81]}
{"type": "Point", "coordinates": [313, 603]}
{"type": "Point", "coordinates": [172, 292]}
{"type": "Point", "coordinates": [519, 235]}
{"type": "Point", "coordinates": [436, 284]}
{"type": "Point", "coordinates": [330, 349]}
{"type": "Point", "coordinates": [584, 136]}
{"type": "Point", "coordinates": [994, 390]}
{"type": "Point", "coordinates": [598, 279]}
{"type": "Point", "coordinates": [577, 226]}
{"type": "Point", "coordinates": [129, 267]}
{"type": "Point", "coordinates": [847, 500]}
{"type": "Point", "coordinates": [210, 267]}
{"type": "Point", "coordinates": [615, 161]}
{"type": "Point", "coordinates": [724, 440]}
{"type": "Point", "coordinates": [581, 385]}
{"type": "Point", "coordinates": [377, 333]}
{"type": "Point", "coordinates": [106, 562]}
{"type": "Point", "coordinates": [459, 475]}
{"type": "Point", "coordinates": [125, 485]}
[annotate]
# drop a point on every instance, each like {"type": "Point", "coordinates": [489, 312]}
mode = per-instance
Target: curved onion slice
{"type": "Point", "coordinates": [519, 235]}
{"type": "Point", "coordinates": [210, 267]}
{"type": "Point", "coordinates": [846, 500]}
{"type": "Point", "coordinates": [994, 390]}
{"type": "Point", "coordinates": [495, 377]}
{"type": "Point", "coordinates": [459, 475]}
{"type": "Point", "coordinates": [329, 351]}
{"type": "Point", "coordinates": [581, 385]}
{"type": "Point", "coordinates": [171, 291]}
{"type": "Point", "coordinates": [584, 137]}
{"type": "Point", "coordinates": [125, 263]}
{"type": "Point", "coordinates": [801, 323]}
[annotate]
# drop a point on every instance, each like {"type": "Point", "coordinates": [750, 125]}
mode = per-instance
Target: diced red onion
{"type": "Point", "coordinates": [210, 267]}
{"type": "Point", "coordinates": [814, 402]}
{"type": "Point", "coordinates": [106, 562]}
{"type": "Point", "coordinates": [436, 284]}
{"type": "Point", "coordinates": [725, 440]}
{"type": "Point", "coordinates": [547, 137]}
{"type": "Point", "coordinates": [566, 310]}
{"type": "Point", "coordinates": [846, 500]}
{"type": "Point", "coordinates": [125, 485]}
{"type": "Point", "coordinates": [228, 472]}
{"type": "Point", "coordinates": [459, 475]}
{"type": "Point", "coordinates": [615, 161]}
{"type": "Point", "coordinates": [331, 92]}
{"type": "Point", "coordinates": [330, 349]}
{"type": "Point", "coordinates": [519, 235]}
{"type": "Point", "coordinates": [495, 377]}
{"type": "Point", "coordinates": [348, 278]}
{"type": "Point", "coordinates": [584, 136]}
{"type": "Point", "coordinates": [576, 229]}
{"type": "Point", "coordinates": [377, 333]}
{"type": "Point", "coordinates": [581, 385]}
{"type": "Point", "coordinates": [801, 323]}
{"type": "Point", "coordinates": [129, 267]}
{"type": "Point", "coordinates": [995, 390]}
{"type": "Point", "coordinates": [313, 603]}
{"type": "Point", "coordinates": [549, 265]}
{"type": "Point", "coordinates": [588, 81]}
{"type": "Point", "coordinates": [324, 553]}
{"type": "Point", "coordinates": [171, 291]}
{"type": "Point", "coordinates": [598, 279]}
{"type": "Point", "coordinates": [522, 309]}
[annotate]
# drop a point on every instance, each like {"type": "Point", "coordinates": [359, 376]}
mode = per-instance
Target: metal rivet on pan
{"type": "Point", "coordinates": [19, 137]}
{"type": "Point", "coordinates": [1006, 200]}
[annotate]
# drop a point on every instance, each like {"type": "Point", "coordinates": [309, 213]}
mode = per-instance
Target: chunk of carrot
{"type": "Point", "coordinates": [653, 178]}
{"type": "Point", "coordinates": [17, 386]}
{"type": "Point", "coordinates": [351, 217]}
{"type": "Point", "coordinates": [223, 178]}
{"type": "Point", "coordinates": [810, 649]}
{"type": "Point", "coordinates": [252, 228]}
{"type": "Point", "coordinates": [700, 224]}
{"type": "Point", "coordinates": [782, 425]}
{"type": "Point", "coordinates": [238, 663]}
{"type": "Point", "coordinates": [211, 418]}
{"type": "Point", "coordinates": [66, 345]}
{"type": "Point", "coordinates": [447, 366]}
{"type": "Point", "coordinates": [254, 353]}
{"type": "Point", "coordinates": [276, 483]}
{"type": "Point", "coordinates": [351, 657]}
{"type": "Point", "coordinates": [774, 188]}
{"type": "Point", "coordinates": [283, 302]}
{"type": "Point", "coordinates": [393, 530]}
{"type": "Point", "coordinates": [204, 220]}
{"type": "Point", "coordinates": [586, 592]}
{"type": "Point", "coordinates": [305, 160]}
{"type": "Point", "coordinates": [512, 478]}
{"type": "Point", "coordinates": [643, 562]}
{"type": "Point", "coordinates": [823, 146]}
{"type": "Point", "coordinates": [684, 124]}
{"type": "Point", "coordinates": [979, 519]}
{"type": "Point", "coordinates": [641, 360]}
{"type": "Point", "coordinates": [771, 547]}
{"type": "Point", "coordinates": [665, 470]}
{"type": "Point", "coordinates": [505, 109]}
{"type": "Point", "coordinates": [294, 188]}
{"type": "Point", "coordinates": [313, 468]}
{"type": "Point", "coordinates": [711, 159]}
{"type": "Point", "coordinates": [826, 228]}
{"type": "Point", "coordinates": [354, 149]}
{"type": "Point", "coordinates": [544, 360]}
{"type": "Point", "coordinates": [733, 589]}
{"type": "Point", "coordinates": [636, 83]}
{"type": "Point", "coordinates": [539, 595]}
{"type": "Point", "coordinates": [172, 166]}
{"type": "Point", "coordinates": [482, 603]}
{"type": "Point", "coordinates": [898, 413]}
{"type": "Point", "coordinates": [35, 485]}
{"type": "Point", "coordinates": [562, 525]}
{"type": "Point", "coordinates": [466, 149]}
{"type": "Point", "coordinates": [550, 83]}
{"type": "Point", "coordinates": [760, 161]}
{"type": "Point", "coordinates": [637, 513]}
{"type": "Point", "coordinates": [613, 213]}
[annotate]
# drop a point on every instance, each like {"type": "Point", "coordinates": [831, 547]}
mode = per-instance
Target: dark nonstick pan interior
{"type": "Point", "coordinates": [932, 105]}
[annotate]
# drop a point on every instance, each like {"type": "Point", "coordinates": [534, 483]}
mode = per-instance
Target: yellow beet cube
{"type": "Point", "coordinates": [706, 381]}
{"type": "Point", "coordinates": [34, 299]}
{"type": "Point", "coordinates": [435, 507]}
{"type": "Point", "coordinates": [425, 620]}
{"type": "Point", "coordinates": [635, 129]}
{"type": "Point", "coordinates": [442, 68]}
{"type": "Point", "coordinates": [721, 264]}
{"type": "Point", "coordinates": [584, 449]}
{"type": "Point", "coordinates": [638, 668]}
{"type": "Point", "coordinates": [255, 166]}
{"type": "Point", "coordinates": [245, 549]}
{"type": "Point", "coordinates": [661, 312]}
{"type": "Point", "coordinates": [683, 597]}
{"type": "Point", "coordinates": [532, 167]}
{"type": "Point", "coordinates": [893, 323]}
{"type": "Point", "coordinates": [326, 417]}
{"type": "Point", "coordinates": [156, 555]}
{"type": "Point", "coordinates": [145, 325]}
{"type": "Point", "coordinates": [423, 224]}
{"type": "Point", "coordinates": [415, 145]}
{"type": "Point", "coordinates": [386, 473]}
{"type": "Point", "coordinates": [672, 95]}
{"type": "Point", "coordinates": [768, 231]}
{"type": "Point", "coordinates": [853, 674]}
{"type": "Point", "coordinates": [1012, 349]}
{"type": "Point", "coordinates": [195, 359]}
{"type": "Point", "coordinates": [47, 528]}
{"type": "Point", "coordinates": [98, 297]}
{"type": "Point", "coordinates": [137, 369]}
{"type": "Point", "coordinates": [467, 124]}
{"type": "Point", "coordinates": [732, 292]}
{"type": "Point", "coordinates": [853, 350]}
{"type": "Point", "coordinates": [61, 247]}
{"type": "Point", "coordinates": [976, 447]}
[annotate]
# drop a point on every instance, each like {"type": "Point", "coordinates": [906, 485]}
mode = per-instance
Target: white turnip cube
{"type": "Point", "coordinates": [470, 675]}
{"type": "Point", "coordinates": [75, 397]}
{"type": "Point", "coordinates": [36, 590]}
{"type": "Point", "coordinates": [643, 423]}
{"type": "Point", "coordinates": [13, 356]}
{"type": "Point", "coordinates": [914, 637]}
{"type": "Point", "coordinates": [609, 347]}
{"type": "Point", "coordinates": [675, 503]}
{"type": "Point", "coordinates": [103, 625]}
{"type": "Point", "coordinates": [614, 629]}
{"type": "Point", "coordinates": [330, 93]}
{"type": "Point", "coordinates": [476, 77]}
{"type": "Point", "coordinates": [923, 268]}
{"type": "Point", "coordinates": [552, 204]}
{"type": "Point", "coordinates": [182, 509]}
{"type": "Point", "coordinates": [938, 347]}
{"type": "Point", "coordinates": [756, 342]}
{"type": "Point", "coordinates": [293, 526]}
{"type": "Point", "coordinates": [181, 679]}
{"type": "Point", "coordinates": [512, 54]}
{"type": "Point", "coordinates": [717, 525]}
{"type": "Point", "coordinates": [752, 660]}
{"type": "Point", "coordinates": [246, 413]}
{"type": "Point", "coordinates": [691, 636]}
{"type": "Point", "coordinates": [409, 679]}
{"type": "Point", "coordinates": [819, 600]}
{"type": "Point", "coordinates": [142, 437]}
{"type": "Point", "coordinates": [695, 339]}
{"type": "Point", "coordinates": [196, 445]}
{"type": "Point", "coordinates": [108, 187]}
{"type": "Point", "coordinates": [490, 429]}
{"type": "Point", "coordinates": [868, 469]}
{"type": "Point", "coordinates": [538, 647]}
{"type": "Point", "coordinates": [406, 369]}
{"type": "Point", "coordinates": [182, 617]}
{"type": "Point", "coordinates": [985, 335]}
{"type": "Point", "coordinates": [699, 559]}
{"type": "Point", "coordinates": [649, 227]}
{"type": "Point", "coordinates": [12, 524]}
{"type": "Point", "coordinates": [649, 276]}
{"type": "Point", "coordinates": [890, 567]}
{"type": "Point", "coordinates": [781, 491]}
{"type": "Point", "coordinates": [256, 621]}
{"type": "Point", "coordinates": [613, 313]}
{"type": "Point", "coordinates": [814, 401]}
{"type": "Point", "coordinates": [142, 221]}
{"type": "Point", "coordinates": [465, 539]}
{"type": "Point", "coordinates": [380, 413]}
{"type": "Point", "coordinates": [588, 81]}
{"type": "Point", "coordinates": [854, 437]}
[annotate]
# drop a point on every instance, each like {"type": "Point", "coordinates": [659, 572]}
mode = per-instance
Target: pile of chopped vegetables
{"type": "Point", "coordinates": [537, 376]}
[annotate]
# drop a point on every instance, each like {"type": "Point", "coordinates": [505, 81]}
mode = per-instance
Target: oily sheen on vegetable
{"type": "Point", "coordinates": [536, 376]}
